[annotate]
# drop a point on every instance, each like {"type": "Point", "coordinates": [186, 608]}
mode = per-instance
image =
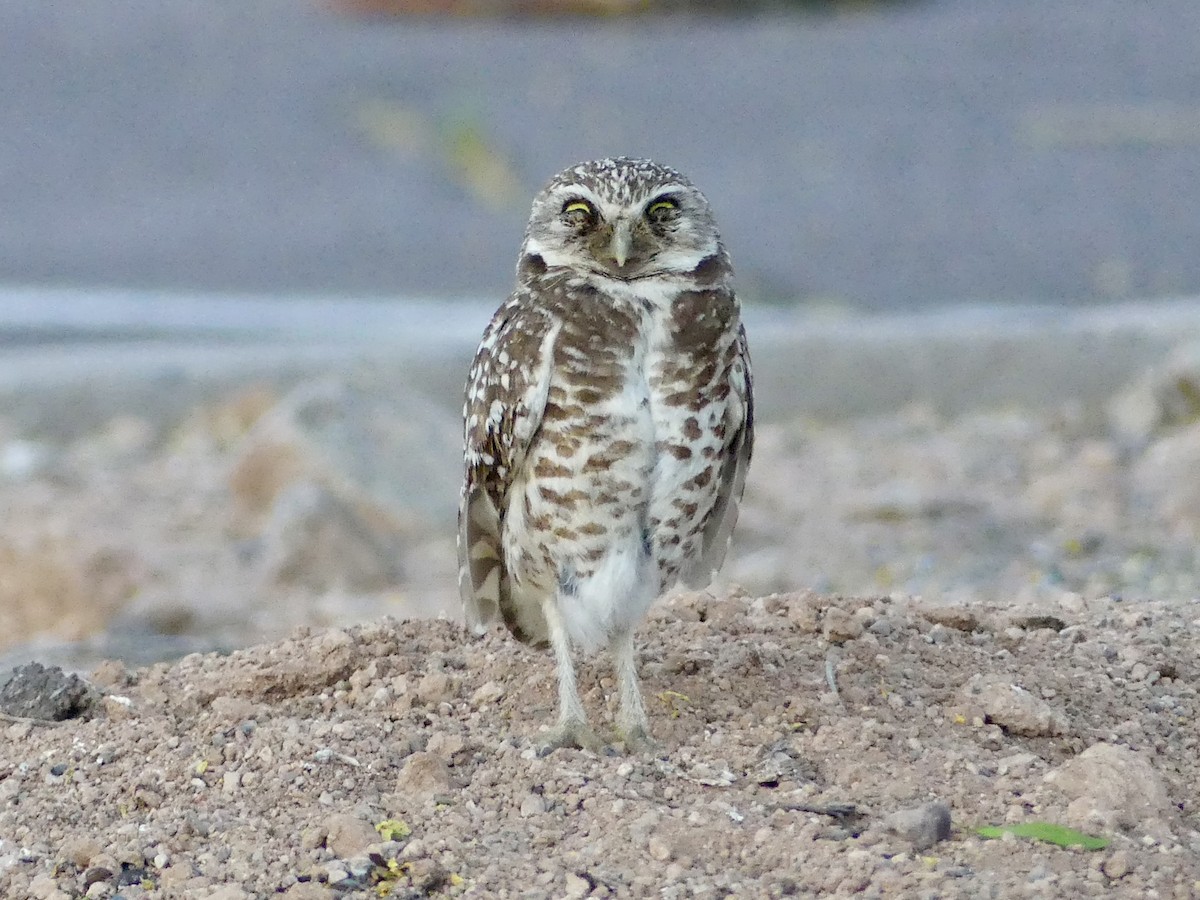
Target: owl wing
{"type": "Point", "coordinates": [505, 396]}
{"type": "Point", "coordinates": [735, 462]}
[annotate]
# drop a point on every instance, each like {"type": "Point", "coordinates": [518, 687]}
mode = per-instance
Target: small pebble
{"type": "Point", "coordinates": [659, 849]}
{"type": "Point", "coordinates": [922, 826]}
{"type": "Point", "coordinates": [348, 835]}
{"type": "Point", "coordinates": [838, 626]}
{"type": "Point", "coordinates": [1117, 865]}
{"type": "Point", "coordinates": [577, 885]}
{"type": "Point", "coordinates": [533, 805]}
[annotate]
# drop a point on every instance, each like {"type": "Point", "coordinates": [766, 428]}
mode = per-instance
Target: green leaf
{"type": "Point", "coordinates": [1048, 832]}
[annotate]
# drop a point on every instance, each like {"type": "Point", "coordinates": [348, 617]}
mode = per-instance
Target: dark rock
{"type": "Point", "coordinates": [35, 692]}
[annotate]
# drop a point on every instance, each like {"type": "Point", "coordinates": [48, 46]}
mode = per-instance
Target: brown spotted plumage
{"type": "Point", "coordinates": [608, 423]}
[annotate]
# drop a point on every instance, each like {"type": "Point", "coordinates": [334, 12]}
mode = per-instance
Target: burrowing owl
{"type": "Point", "coordinates": [608, 423]}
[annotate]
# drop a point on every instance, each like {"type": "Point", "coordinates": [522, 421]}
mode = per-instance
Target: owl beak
{"type": "Point", "coordinates": [622, 241]}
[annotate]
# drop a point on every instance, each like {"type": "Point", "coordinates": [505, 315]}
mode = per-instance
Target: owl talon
{"type": "Point", "coordinates": [638, 740]}
{"type": "Point", "coordinates": [572, 734]}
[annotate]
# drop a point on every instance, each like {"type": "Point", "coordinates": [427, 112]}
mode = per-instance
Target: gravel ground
{"type": "Point", "coordinates": [397, 759]}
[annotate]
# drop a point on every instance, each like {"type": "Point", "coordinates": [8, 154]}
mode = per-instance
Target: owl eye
{"type": "Point", "coordinates": [661, 208]}
{"type": "Point", "coordinates": [579, 212]}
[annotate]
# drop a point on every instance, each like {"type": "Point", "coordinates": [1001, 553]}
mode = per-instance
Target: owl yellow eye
{"type": "Point", "coordinates": [579, 214]}
{"type": "Point", "coordinates": [578, 206]}
{"type": "Point", "coordinates": [661, 206]}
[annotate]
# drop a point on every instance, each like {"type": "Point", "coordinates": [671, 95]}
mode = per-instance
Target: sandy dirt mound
{"type": "Point", "coordinates": [399, 759]}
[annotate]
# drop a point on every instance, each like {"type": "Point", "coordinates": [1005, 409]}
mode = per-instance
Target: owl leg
{"type": "Point", "coordinates": [572, 729]}
{"type": "Point", "coordinates": [632, 723]}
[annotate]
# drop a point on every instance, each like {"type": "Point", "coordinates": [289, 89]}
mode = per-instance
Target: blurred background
{"type": "Point", "coordinates": [863, 155]}
{"type": "Point", "coordinates": [246, 251]}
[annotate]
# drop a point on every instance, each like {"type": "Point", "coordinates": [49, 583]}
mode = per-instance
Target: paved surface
{"type": "Point", "coordinates": [72, 360]}
{"type": "Point", "coordinates": [910, 155]}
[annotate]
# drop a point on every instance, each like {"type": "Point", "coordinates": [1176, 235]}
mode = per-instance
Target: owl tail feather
{"type": "Point", "coordinates": [480, 565]}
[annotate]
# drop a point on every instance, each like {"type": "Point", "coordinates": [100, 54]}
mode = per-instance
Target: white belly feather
{"type": "Point", "coordinates": [613, 595]}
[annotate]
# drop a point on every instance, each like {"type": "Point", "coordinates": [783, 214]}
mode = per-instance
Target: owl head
{"type": "Point", "coordinates": [620, 218]}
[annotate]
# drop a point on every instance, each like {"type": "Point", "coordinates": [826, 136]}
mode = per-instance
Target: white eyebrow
{"type": "Point", "coordinates": [578, 190]}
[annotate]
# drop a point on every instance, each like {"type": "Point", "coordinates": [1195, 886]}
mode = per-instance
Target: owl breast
{"type": "Point", "coordinates": [611, 503]}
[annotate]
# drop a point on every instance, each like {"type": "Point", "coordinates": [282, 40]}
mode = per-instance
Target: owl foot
{"type": "Point", "coordinates": [573, 733]}
{"type": "Point", "coordinates": [638, 740]}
